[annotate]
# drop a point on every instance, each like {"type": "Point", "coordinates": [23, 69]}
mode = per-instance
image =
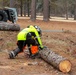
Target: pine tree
{"type": "Point", "coordinates": [33, 10]}
{"type": "Point", "coordinates": [46, 10]}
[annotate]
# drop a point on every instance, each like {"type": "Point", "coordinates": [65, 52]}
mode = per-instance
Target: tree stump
{"type": "Point", "coordinates": [5, 26]}
{"type": "Point", "coordinates": [55, 60]}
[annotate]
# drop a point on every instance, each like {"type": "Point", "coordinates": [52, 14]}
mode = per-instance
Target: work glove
{"type": "Point", "coordinates": [44, 47]}
{"type": "Point", "coordinates": [41, 48]}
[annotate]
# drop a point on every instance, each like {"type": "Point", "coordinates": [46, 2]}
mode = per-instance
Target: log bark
{"type": "Point", "coordinates": [5, 26]}
{"type": "Point", "coordinates": [55, 60]}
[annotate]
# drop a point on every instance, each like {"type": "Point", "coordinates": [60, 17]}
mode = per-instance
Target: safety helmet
{"type": "Point", "coordinates": [39, 30]}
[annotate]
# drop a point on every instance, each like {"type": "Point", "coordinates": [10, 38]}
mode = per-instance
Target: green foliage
{"type": "Point", "coordinates": [57, 7]}
{"type": "Point", "coordinates": [60, 6]}
{"type": "Point", "coordinates": [4, 3]}
{"type": "Point", "coordinates": [39, 5]}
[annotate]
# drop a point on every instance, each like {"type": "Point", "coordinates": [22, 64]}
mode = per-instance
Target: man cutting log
{"type": "Point", "coordinates": [30, 37]}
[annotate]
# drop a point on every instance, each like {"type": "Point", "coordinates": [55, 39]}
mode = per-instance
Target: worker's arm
{"type": "Point", "coordinates": [38, 39]}
{"type": "Point", "coordinates": [37, 36]}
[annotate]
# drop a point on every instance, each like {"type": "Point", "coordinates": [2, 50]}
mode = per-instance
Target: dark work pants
{"type": "Point", "coordinates": [21, 44]}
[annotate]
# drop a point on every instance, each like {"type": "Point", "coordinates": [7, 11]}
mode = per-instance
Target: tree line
{"type": "Point", "coordinates": [45, 8]}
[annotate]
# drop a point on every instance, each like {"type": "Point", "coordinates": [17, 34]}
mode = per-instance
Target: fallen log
{"type": "Point", "coordinates": [5, 26]}
{"type": "Point", "coordinates": [56, 60]}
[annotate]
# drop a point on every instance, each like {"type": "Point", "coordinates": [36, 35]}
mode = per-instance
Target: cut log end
{"type": "Point", "coordinates": [65, 66]}
{"type": "Point", "coordinates": [59, 62]}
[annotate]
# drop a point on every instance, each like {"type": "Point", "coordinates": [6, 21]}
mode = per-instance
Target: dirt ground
{"type": "Point", "coordinates": [60, 38]}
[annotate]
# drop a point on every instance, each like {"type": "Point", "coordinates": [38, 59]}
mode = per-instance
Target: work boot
{"type": "Point", "coordinates": [12, 55]}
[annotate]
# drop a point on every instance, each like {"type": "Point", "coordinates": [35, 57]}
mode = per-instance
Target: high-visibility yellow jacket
{"type": "Point", "coordinates": [22, 35]}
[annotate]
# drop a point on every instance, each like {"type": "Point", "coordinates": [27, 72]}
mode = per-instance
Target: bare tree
{"type": "Point", "coordinates": [46, 10]}
{"type": "Point", "coordinates": [75, 10]}
{"type": "Point", "coordinates": [21, 6]}
{"type": "Point", "coordinates": [25, 8]}
{"type": "Point", "coordinates": [33, 10]}
{"type": "Point", "coordinates": [66, 5]}
{"type": "Point", "coordinates": [28, 7]}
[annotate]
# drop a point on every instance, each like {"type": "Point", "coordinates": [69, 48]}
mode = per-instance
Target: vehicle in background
{"type": "Point", "coordinates": [8, 14]}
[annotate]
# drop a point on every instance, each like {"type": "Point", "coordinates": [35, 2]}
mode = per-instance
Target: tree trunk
{"type": "Point", "coordinates": [21, 7]}
{"type": "Point", "coordinates": [75, 10]}
{"type": "Point", "coordinates": [46, 10]}
{"type": "Point", "coordinates": [56, 60]}
{"type": "Point", "coordinates": [5, 26]}
{"type": "Point", "coordinates": [33, 10]}
{"type": "Point", "coordinates": [12, 3]}
{"type": "Point", "coordinates": [25, 8]}
{"type": "Point", "coordinates": [66, 4]}
{"type": "Point", "coordinates": [28, 9]}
